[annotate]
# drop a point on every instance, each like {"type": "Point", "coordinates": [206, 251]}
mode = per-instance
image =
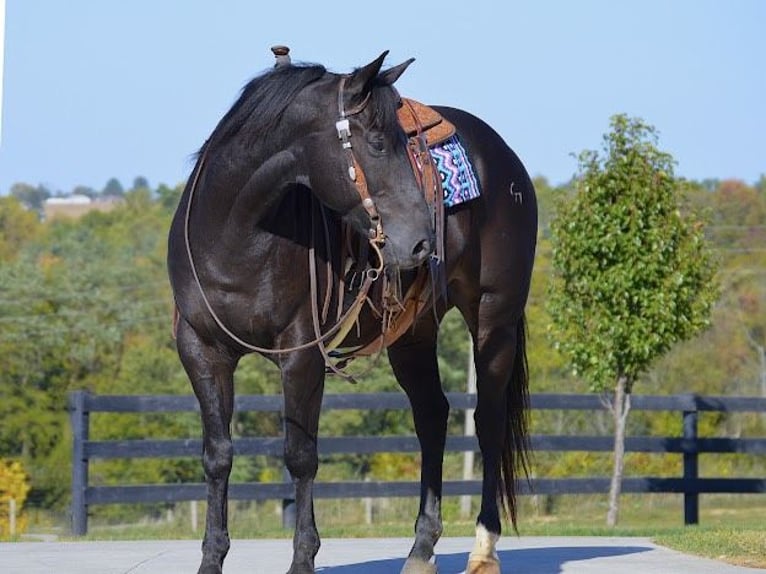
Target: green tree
{"type": "Point", "coordinates": [30, 196]}
{"type": "Point", "coordinates": [17, 226]}
{"type": "Point", "coordinates": [169, 196]}
{"type": "Point", "coordinates": [113, 188]}
{"type": "Point", "coordinates": [632, 271]}
{"type": "Point", "coordinates": [740, 213]}
{"type": "Point", "coordinates": [84, 303]}
{"type": "Point", "coordinates": [140, 182]}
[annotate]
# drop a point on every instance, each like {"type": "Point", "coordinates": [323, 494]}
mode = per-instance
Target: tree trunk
{"type": "Point", "coordinates": [760, 351]}
{"type": "Point", "coordinates": [470, 430]}
{"type": "Point", "coordinates": [620, 410]}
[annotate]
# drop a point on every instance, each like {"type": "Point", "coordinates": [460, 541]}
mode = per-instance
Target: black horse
{"type": "Point", "coordinates": [302, 155]}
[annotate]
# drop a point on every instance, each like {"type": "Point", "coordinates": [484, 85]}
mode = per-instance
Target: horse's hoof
{"type": "Point", "coordinates": [208, 568]}
{"type": "Point", "coordinates": [416, 566]}
{"type": "Point", "coordinates": [301, 569]}
{"type": "Point", "coordinates": [483, 565]}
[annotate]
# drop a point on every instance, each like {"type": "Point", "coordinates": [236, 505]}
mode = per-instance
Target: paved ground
{"type": "Point", "coordinates": [527, 555]}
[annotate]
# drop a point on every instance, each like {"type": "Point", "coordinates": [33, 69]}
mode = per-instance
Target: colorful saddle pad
{"type": "Point", "coordinates": [456, 172]}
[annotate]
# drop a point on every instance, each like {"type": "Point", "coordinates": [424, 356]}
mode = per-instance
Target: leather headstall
{"type": "Point", "coordinates": [376, 236]}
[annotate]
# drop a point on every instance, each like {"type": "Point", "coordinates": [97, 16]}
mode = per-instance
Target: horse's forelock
{"type": "Point", "coordinates": [385, 102]}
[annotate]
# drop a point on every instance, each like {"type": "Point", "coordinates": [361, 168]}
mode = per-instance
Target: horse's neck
{"type": "Point", "coordinates": [237, 192]}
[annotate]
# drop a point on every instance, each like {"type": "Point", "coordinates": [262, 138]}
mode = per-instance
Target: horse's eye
{"type": "Point", "coordinates": [377, 142]}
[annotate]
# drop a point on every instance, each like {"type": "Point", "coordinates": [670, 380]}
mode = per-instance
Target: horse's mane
{"type": "Point", "coordinates": [262, 101]}
{"type": "Point", "coordinates": [264, 98]}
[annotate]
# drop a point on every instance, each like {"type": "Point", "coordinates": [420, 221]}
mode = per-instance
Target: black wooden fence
{"type": "Point", "coordinates": [81, 404]}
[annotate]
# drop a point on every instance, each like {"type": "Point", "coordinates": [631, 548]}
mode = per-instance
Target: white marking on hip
{"type": "Point", "coordinates": [516, 195]}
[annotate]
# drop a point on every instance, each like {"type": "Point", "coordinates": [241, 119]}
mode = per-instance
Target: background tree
{"type": "Point", "coordinates": [85, 304]}
{"type": "Point", "coordinates": [31, 196]}
{"type": "Point", "coordinates": [169, 197]}
{"type": "Point", "coordinates": [113, 188]}
{"type": "Point", "coordinates": [632, 272]}
{"type": "Point", "coordinates": [18, 225]}
{"type": "Point", "coordinates": [140, 182]}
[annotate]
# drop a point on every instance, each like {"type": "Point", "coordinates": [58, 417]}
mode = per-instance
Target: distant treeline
{"type": "Point", "coordinates": [85, 304]}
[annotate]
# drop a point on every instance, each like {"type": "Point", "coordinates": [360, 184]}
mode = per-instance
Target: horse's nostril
{"type": "Point", "coordinates": [422, 249]}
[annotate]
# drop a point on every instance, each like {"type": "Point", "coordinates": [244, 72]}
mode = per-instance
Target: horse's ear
{"type": "Point", "coordinates": [390, 76]}
{"type": "Point", "coordinates": [360, 82]}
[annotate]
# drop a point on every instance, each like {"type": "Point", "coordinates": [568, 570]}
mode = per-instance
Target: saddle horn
{"type": "Point", "coordinates": [282, 56]}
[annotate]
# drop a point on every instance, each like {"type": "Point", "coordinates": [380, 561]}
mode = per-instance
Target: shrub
{"type": "Point", "coordinates": [14, 485]}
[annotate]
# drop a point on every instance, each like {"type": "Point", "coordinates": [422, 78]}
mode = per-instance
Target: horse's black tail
{"type": "Point", "coordinates": [515, 456]}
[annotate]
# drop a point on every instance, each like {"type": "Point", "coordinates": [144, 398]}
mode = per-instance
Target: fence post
{"type": "Point", "coordinates": [193, 515]}
{"type": "Point", "coordinates": [470, 430]}
{"type": "Point", "coordinates": [288, 504]}
{"type": "Point", "coordinates": [691, 464]}
{"type": "Point", "coordinates": [79, 418]}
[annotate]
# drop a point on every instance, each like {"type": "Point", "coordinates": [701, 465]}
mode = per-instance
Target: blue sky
{"type": "Point", "coordinates": [95, 89]}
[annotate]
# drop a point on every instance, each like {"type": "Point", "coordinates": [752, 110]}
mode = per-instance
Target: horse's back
{"type": "Point", "coordinates": [501, 172]}
{"type": "Point", "coordinates": [493, 236]}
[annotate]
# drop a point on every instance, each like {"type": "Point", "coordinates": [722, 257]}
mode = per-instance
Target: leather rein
{"type": "Point", "coordinates": [376, 238]}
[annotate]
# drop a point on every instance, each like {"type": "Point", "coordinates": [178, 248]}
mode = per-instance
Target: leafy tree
{"type": "Point", "coordinates": [169, 196]}
{"type": "Point", "coordinates": [740, 213]}
{"type": "Point", "coordinates": [113, 188]}
{"type": "Point", "coordinates": [32, 197]}
{"type": "Point", "coordinates": [17, 226]}
{"type": "Point", "coordinates": [140, 182]}
{"type": "Point", "coordinates": [14, 485]}
{"type": "Point", "coordinates": [84, 304]}
{"type": "Point", "coordinates": [632, 271]}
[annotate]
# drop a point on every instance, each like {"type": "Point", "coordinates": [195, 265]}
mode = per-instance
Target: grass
{"type": "Point", "coordinates": [740, 546]}
{"type": "Point", "coordinates": [731, 527]}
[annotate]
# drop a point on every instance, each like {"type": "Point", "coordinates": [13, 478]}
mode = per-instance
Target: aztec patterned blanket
{"type": "Point", "coordinates": [458, 178]}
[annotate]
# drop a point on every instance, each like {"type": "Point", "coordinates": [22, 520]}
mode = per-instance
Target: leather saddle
{"type": "Point", "coordinates": [419, 119]}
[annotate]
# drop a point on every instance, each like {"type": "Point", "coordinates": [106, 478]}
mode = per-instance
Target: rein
{"type": "Point", "coordinates": [376, 238]}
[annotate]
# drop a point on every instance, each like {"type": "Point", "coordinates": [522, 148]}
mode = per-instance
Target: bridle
{"type": "Point", "coordinates": [375, 233]}
{"type": "Point", "coordinates": [376, 238]}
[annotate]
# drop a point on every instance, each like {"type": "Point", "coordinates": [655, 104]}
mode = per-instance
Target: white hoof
{"type": "Point", "coordinates": [482, 565]}
{"type": "Point", "coordinates": [415, 566]}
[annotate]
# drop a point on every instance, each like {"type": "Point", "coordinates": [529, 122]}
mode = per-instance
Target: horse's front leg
{"type": "Point", "coordinates": [211, 373]}
{"type": "Point", "coordinates": [303, 385]}
{"type": "Point", "coordinates": [413, 358]}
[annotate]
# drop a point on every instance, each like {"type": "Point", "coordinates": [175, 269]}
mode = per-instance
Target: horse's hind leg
{"type": "Point", "coordinates": [413, 358]}
{"type": "Point", "coordinates": [501, 392]}
{"type": "Point", "coordinates": [211, 372]}
{"type": "Point", "coordinates": [303, 386]}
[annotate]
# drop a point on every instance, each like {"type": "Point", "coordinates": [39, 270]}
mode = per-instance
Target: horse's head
{"type": "Point", "coordinates": [358, 161]}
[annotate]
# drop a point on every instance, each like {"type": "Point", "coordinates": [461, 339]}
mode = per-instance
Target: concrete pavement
{"type": "Point", "coordinates": [526, 555]}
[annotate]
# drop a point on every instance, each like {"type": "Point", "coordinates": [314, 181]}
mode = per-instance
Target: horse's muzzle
{"type": "Point", "coordinates": [414, 255]}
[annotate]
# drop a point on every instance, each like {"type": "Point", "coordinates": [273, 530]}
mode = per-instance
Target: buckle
{"type": "Point", "coordinates": [343, 128]}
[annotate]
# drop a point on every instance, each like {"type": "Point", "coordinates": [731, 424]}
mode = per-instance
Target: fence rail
{"type": "Point", "coordinates": [82, 404]}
